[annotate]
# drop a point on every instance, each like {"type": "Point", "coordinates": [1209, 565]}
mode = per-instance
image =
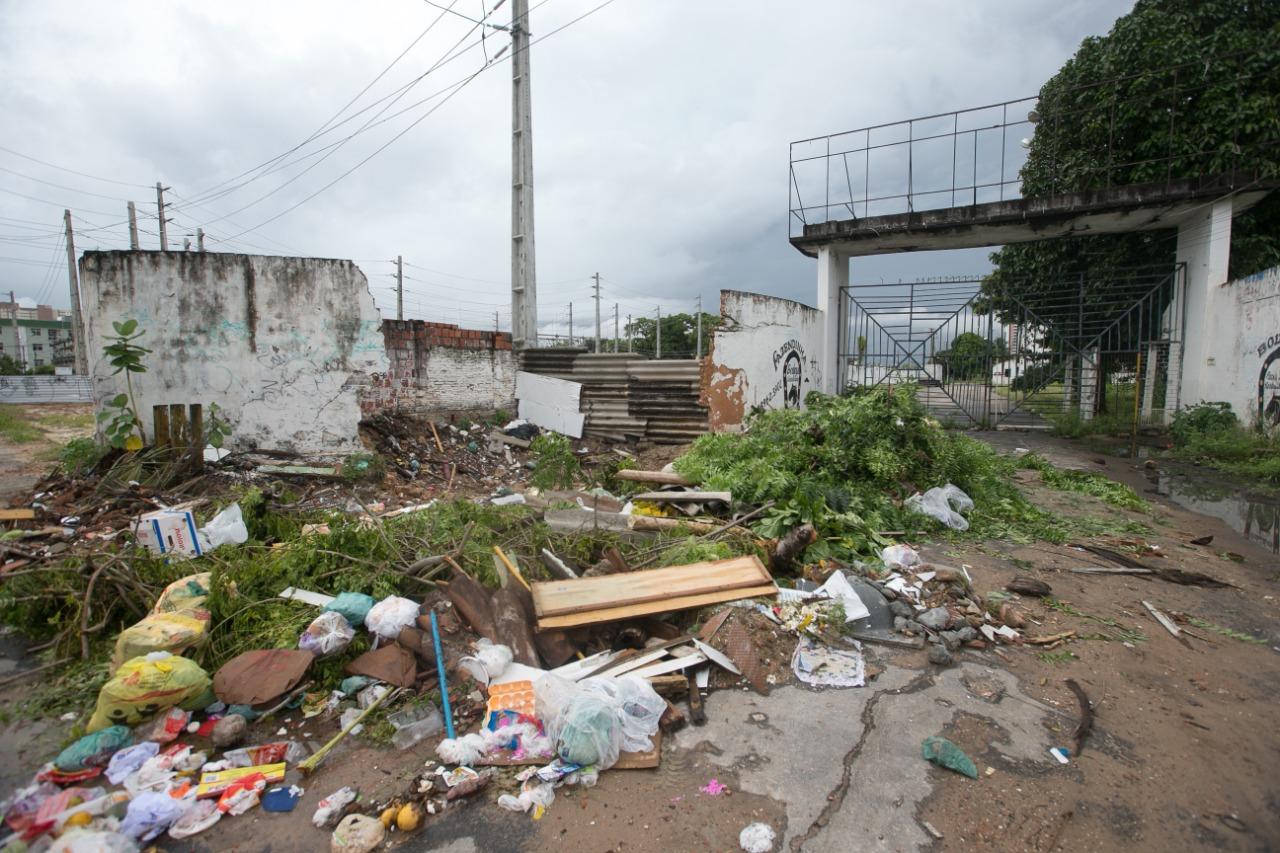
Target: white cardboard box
{"type": "Point", "coordinates": [169, 531]}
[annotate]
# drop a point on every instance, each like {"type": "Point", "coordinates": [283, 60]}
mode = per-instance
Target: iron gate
{"type": "Point", "coordinates": [988, 353]}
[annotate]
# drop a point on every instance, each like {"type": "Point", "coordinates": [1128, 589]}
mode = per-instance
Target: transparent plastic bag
{"type": "Point", "coordinates": [584, 720]}
{"type": "Point", "coordinates": [227, 527]}
{"type": "Point", "coordinates": [900, 556]}
{"type": "Point", "coordinates": [639, 708]}
{"type": "Point", "coordinates": [938, 503]}
{"type": "Point", "coordinates": [390, 615]}
{"type": "Point", "coordinates": [329, 633]}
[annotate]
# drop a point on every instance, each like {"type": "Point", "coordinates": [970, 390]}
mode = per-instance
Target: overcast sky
{"type": "Point", "coordinates": [661, 131]}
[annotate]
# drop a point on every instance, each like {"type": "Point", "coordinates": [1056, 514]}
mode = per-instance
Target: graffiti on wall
{"type": "Point", "coordinates": [788, 361]}
{"type": "Point", "coordinates": [1269, 383]}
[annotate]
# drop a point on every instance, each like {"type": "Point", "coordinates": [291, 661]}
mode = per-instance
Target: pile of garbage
{"type": "Point", "coordinates": [474, 455]}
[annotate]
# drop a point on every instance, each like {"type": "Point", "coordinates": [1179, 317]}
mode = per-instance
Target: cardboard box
{"type": "Point", "coordinates": [213, 784]}
{"type": "Point", "coordinates": [169, 531]}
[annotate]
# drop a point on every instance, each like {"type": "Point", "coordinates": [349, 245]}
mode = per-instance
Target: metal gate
{"type": "Point", "coordinates": [1026, 354]}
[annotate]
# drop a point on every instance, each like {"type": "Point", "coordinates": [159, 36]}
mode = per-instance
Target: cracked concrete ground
{"type": "Point", "coordinates": [846, 763]}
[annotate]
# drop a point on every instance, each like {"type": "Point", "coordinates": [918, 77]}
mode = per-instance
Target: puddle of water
{"type": "Point", "coordinates": [1255, 516]}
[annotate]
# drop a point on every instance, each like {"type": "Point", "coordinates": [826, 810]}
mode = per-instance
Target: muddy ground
{"type": "Point", "coordinates": [23, 463]}
{"type": "Point", "coordinates": [1182, 754]}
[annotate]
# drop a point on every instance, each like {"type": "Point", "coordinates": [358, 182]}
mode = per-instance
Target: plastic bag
{"type": "Point", "coordinates": [942, 504]}
{"type": "Point", "coordinates": [189, 593]}
{"type": "Point", "coordinates": [391, 615]}
{"type": "Point", "coordinates": [328, 633]}
{"type": "Point", "coordinates": [489, 661]}
{"type": "Point", "coordinates": [47, 815]}
{"type": "Point", "coordinates": [756, 838]}
{"type": "Point", "coordinates": [113, 804]}
{"type": "Point", "coordinates": [639, 707]}
{"type": "Point", "coordinates": [354, 606]}
{"type": "Point", "coordinates": [147, 685]}
{"type": "Point", "coordinates": [589, 732]}
{"type": "Point", "coordinates": [93, 750]}
{"type": "Point", "coordinates": [242, 794]}
{"type": "Point", "coordinates": [357, 833]}
{"type": "Point", "coordinates": [172, 631]}
{"type": "Point", "coordinates": [20, 809]}
{"type": "Point", "coordinates": [90, 841]}
{"type": "Point", "coordinates": [151, 813]}
{"type": "Point", "coordinates": [129, 759]}
{"type": "Point", "coordinates": [329, 808]}
{"type": "Point", "coordinates": [900, 557]}
{"type": "Point", "coordinates": [225, 528]}
{"type": "Point", "coordinates": [944, 753]}
{"type": "Point", "coordinates": [167, 728]}
{"type": "Point", "coordinates": [198, 818]}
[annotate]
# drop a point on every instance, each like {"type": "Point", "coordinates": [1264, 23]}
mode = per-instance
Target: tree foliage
{"type": "Point", "coordinates": [970, 356]}
{"type": "Point", "coordinates": [679, 334]}
{"type": "Point", "coordinates": [1216, 113]}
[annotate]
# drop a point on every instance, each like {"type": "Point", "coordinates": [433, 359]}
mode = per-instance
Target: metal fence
{"type": "Point", "coordinates": [1015, 354]}
{"type": "Point", "coordinates": [977, 155]}
{"type": "Point", "coordinates": [45, 389]}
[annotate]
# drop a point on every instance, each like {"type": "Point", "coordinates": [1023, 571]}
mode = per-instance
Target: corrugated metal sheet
{"type": "Point", "coordinates": [629, 397]}
{"type": "Point", "coordinates": [45, 389]}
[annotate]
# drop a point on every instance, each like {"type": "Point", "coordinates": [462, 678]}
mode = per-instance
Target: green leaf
{"type": "Point", "coordinates": [120, 401]}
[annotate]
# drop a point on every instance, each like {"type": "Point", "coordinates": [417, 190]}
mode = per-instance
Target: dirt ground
{"type": "Point", "coordinates": [21, 464]}
{"type": "Point", "coordinates": [1182, 754]}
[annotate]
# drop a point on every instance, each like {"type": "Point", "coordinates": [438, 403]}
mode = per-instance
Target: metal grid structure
{"type": "Point", "coordinates": [974, 156]}
{"type": "Point", "coordinates": [1078, 349]}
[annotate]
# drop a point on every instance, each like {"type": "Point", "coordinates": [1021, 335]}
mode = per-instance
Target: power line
{"type": "Point", "coordinates": [72, 171]}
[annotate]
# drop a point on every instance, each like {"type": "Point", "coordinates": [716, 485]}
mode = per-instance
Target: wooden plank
{"type": "Point", "coordinates": [558, 598]}
{"type": "Point", "coordinates": [657, 523]}
{"type": "Point", "coordinates": [688, 496]}
{"type": "Point", "coordinates": [664, 478]}
{"type": "Point", "coordinates": [632, 611]}
{"type": "Point", "coordinates": [19, 514]}
{"type": "Point", "coordinates": [1165, 621]}
{"type": "Point", "coordinates": [674, 665]}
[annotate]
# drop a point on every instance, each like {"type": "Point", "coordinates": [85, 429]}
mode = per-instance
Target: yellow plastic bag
{"type": "Point", "coordinates": [145, 686]}
{"type": "Point", "coordinates": [189, 593]}
{"type": "Point", "coordinates": [173, 632]}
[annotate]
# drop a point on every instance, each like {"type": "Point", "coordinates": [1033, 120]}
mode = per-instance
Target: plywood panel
{"type": "Point", "coordinates": [632, 611]}
{"type": "Point", "coordinates": [558, 598]}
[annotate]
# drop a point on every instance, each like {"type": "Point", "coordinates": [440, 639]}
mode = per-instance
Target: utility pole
{"type": "Point", "coordinates": [657, 350]}
{"type": "Point", "coordinates": [77, 322]}
{"type": "Point", "coordinates": [697, 352]}
{"type": "Point", "coordinates": [495, 322]}
{"type": "Point", "coordinates": [199, 239]}
{"type": "Point", "coordinates": [616, 336]}
{"type": "Point", "coordinates": [631, 346]}
{"type": "Point", "coordinates": [399, 287]}
{"type": "Point", "coordinates": [524, 293]}
{"type": "Point", "coordinates": [597, 287]}
{"type": "Point", "coordinates": [17, 335]}
{"type": "Point", "coordinates": [570, 324]}
{"type": "Point", "coordinates": [164, 233]}
{"type": "Point", "coordinates": [133, 227]}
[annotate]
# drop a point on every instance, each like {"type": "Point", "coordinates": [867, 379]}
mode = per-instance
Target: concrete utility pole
{"type": "Point", "coordinates": [164, 232]}
{"type": "Point", "coordinates": [17, 335]}
{"type": "Point", "coordinates": [524, 290]}
{"type": "Point", "coordinates": [133, 227]}
{"type": "Point", "coordinates": [697, 352]}
{"type": "Point", "coordinates": [631, 346]}
{"type": "Point", "coordinates": [616, 336]}
{"type": "Point", "coordinates": [570, 324]}
{"type": "Point", "coordinates": [399, 287]}
{"type": "Point", "coordinates": [199, 239]}
{"type": "Point", "coordinates": [495, 322]}
{"type": "Point", "coordinates": [657, 350]}
{"type": "Point", "coordinates": [77, 322]}
{"type": "Point", "coordinates": [597, 288]}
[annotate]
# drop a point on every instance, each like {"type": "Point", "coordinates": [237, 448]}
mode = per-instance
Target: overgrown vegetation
{"type": "Point", "coordinates": [121, 421]}
{"type": "Point", "coordinates": [1084, 482]}
{"type": "Point", "coordinates": [15, 427]}
{"type": "Point", "coordinates": [1210, 433]}
{"type": "Point", "coordinates": [555, 465]}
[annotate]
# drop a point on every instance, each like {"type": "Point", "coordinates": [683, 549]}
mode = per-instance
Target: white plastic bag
{"type": "Point", "coordinates": [225, 528]}
{"type": "Point", "coordinates": [938, 503]}
{"type": "Point", "coordinates": [129, 759]}
{"type": "Point", "coordinates": [202, 815]}
{"type": "Point", "coordinates": [584, 720]}
{"type": "Point", "coordinates": [329, 633]}
{"type": "Point", "coordinates": [756, 838]}
{"type": "Point", "coordinates": [639, 708]}
{"type": "Point", "coordinates": [92, 841]}
{"type": "Point", "coordinates": [357, 833]}
{"type": "Point", "coordinates": [489, 661]}
{"type": "Point", "coordinates": [328, 809]}
{"type": "Point", "coordinates": [900, 557]}
{"type": "Point", "coordinates": [151, 813]}
{"type": "Point", "coordinates": [390, 615]}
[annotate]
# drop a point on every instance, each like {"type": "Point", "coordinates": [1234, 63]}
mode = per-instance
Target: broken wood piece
{"type": "Point", "coordinates": [672, 719]}
{"type": "Point", "coordinates": [315, 599]}
{"type": "Point", "coordinates": [717, 657]}
{"type": "Point", "coordinates": [686, 602]}
{"type": "Point", "coordinates": [472, 602]}
{"type": "Point", "coordinates": [1164, 621]}
{"type": "Point", "coordinates": [684, 496]}
{"type": "Point", "coordinates": [675, 664]}
{"type": "Point", "coordinates": [657, 524]}
{"type": "Point", "coordinates": [436, 436]}
{"type": "Point", "coordinates": [713, 624]}
{"type": "Point", "coordinates": [615, 559]}
{"type": "Point", "coordinates": [1024, 585]}
{"type": "Point", "coordinates": [664, 478]}
{"type": "Point", "coordinates": [18, 514]}
{"type": "Point", "coordinates": [512, 625]}
{"type": "Point", "coordinates": [557, 566]}
{"type": "Point", "coordinates": [299, 471]}
{"type": "Point", "coordinates": [697, 714]}
{"type": "Point", "coordinates": [1086, 715]}
{"type": "Point", "coordinates": [669, 685]}
{"type": "Point", "coordinates": [1101, 570]}
{"type": "Point", "coordinates": [1051, 638]}
{"type": "Point", "coordinates": [495, 435]}
{"type": "Point", "coordinates": [783, 556]}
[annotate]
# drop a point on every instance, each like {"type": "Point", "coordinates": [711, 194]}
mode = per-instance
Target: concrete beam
{"type": "Point", "coordinates": [1143, 207]}
{"type": "Point", "coordinates": [833, 274]}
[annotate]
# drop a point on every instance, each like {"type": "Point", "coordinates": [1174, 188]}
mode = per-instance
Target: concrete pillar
{"type": "Point", "coordinates": [1204, 245]}
{"type": "Point", "coordinates": [1151, 360]}
{"type": "Point", "coordinates": [1088, 383]}
{"type": "Point", "coordinates": [833, 274]}
{"type": "Point", "coordinates": [1068, 385]}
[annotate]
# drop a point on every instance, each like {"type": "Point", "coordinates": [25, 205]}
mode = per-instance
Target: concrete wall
{"type": "Point", "coordinates": [767, 354]}
{"type": "Point", "coordinates": [282, 345]}
{"type": "Point", "coordinates": [1241, 350]}
{"type": "Point", "coordinates": [441, 369]}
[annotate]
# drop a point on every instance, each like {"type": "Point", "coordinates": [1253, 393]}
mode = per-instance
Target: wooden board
{"type": "Point", "coordinates": [17, 514]}
{"type": "Point", "coordinates": [664, 478]}
{"type": "Point", "coordinates": [561, 598]}
{"type": "Point", "coordinates": [684, 497]}
{"type": "Point", "coordinates": [632, 611]}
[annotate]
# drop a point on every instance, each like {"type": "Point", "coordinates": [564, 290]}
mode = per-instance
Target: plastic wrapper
{"type": "Point", "coordinates": [943, 504]}
{"type": "Point", "coordinates": [51, 807]}
{"type": "Point", "coordinates": [202, 815]}
{"type": "Point", "coordinates": [489, 661]}
{"type": "Point", "coordinates": [114, 804]}
{"type": "Point", "coordinates": [354, 607]}
{"type": "Point", "coordinates": [92, 841]}
{"type": "Point", "coordinates": [330, 808]}
{"type": "Point", "coordinates": [464, 750]}
{"type": "Point", "coordinates": [640, 709]}
{"type": "Point", "coordinates": [225, 528]}
{"type": "Point", "coordinates": [242, 794]}
{"type": "Point", "coordinates": [130, 759]}
{"type": "Point", "coordinates": [94, 749]}
{"type": "Point", "coordinates": [147, 685]}
{"type": "Point", "coordinates": [20, 809]}
{"type": "Point", "coordinates": [390, 616]}
{"type": "Point", "coordinates": [900, 557]}
{"type": "Point", "coordinates": [329, 633]}
{"type": "Point", "coordinates": [189, 594]}
{"type": "Point", "coordinates": [151, 813]}
{"type": "Point", "coordinates": [756, 838]}
{"type": "Point", "coordinates": [357, 833]}
{"type": "Point", "coordinates": [172, 631]}
{"type": "Point", "coordinates": [170, 726]}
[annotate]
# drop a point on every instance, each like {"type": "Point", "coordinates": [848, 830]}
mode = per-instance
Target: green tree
{"type": "Point", "coordinates": [969, 357]}
{"type": "Point", "coordinates": [1217, 113]}
{"type": "Point", "coordinates": [679, 334]}
{"type": "Point", "coordinates": [9, 366]}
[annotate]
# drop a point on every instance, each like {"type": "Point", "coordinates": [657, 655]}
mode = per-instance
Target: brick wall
{"type": "Point", "coordinates": [442, 369]}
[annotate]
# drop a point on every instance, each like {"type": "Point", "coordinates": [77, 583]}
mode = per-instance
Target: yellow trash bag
{"type": "Point", "coordinates": [161, 632]}
{"type": "Point", "coordinates": [144, 686]}
{"type": "Point", "coordinates": [189, 593]}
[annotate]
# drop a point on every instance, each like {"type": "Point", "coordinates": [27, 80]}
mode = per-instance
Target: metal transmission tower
{"type": "Point", "coordinates": [524, 293]}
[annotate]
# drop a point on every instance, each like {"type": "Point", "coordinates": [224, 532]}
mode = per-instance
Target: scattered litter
{"type": "Point", "coordinates": [944, 753]}
{"type": "Point", "coordinates": [714, 788]}
{"type": "Point", "coordinates": [1060, 754]}
{"type": "Point", "coordinates": [756, 838]}
{"type": "Point", "coordinates": [820, 665]}
{"type": "Point", "coordinates": [329, 809]}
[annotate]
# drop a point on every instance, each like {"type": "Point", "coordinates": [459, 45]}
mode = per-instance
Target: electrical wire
{"type": "Point", "coordinates": [73, 171]}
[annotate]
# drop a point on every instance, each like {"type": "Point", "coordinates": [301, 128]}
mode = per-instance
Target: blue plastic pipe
{"type": "Point", "coordinates": [444, 685]}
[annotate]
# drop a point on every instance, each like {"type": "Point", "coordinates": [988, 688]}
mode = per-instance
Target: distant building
{"type": "Point", "coordinates": [42, 336]}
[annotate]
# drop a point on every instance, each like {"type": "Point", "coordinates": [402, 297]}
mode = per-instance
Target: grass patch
{"type": "Point", "coordinates": [62, 420]}
{"type": "Point", "coordinates": [16, 427]}
{"type": "Point", "coordinates": [1086, 483]}
{"type": "Point", "coordinates": [1228, 632]}
{"type": "Point", "coordinates": [1211, 434]}
{"type": "Point", "coordinates": [1056, 658]}
{"type": "Point", "coordinates": [1118, 632]}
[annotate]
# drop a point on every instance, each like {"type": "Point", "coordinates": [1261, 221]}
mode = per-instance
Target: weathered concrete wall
{"type": "Point", "coordinates": [441, 369]}
{"type": "Point", "coordinates": [1242, 350]}
{"type": "Point", "coordinates": [282, 345]}
{"type": "Point", "coordinates": [766, 355]}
